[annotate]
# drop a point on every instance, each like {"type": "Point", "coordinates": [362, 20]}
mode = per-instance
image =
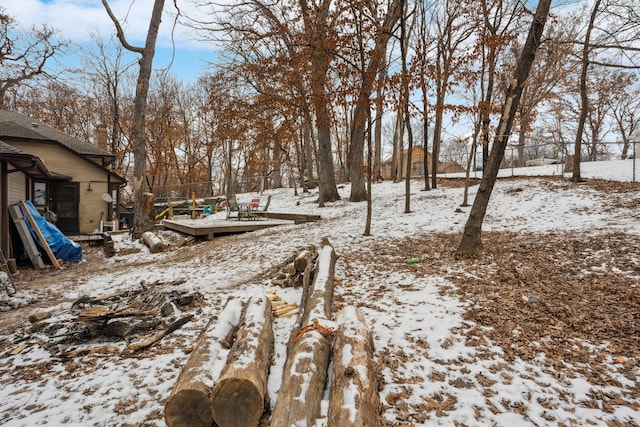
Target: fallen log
{"type": "Point", "coordinates": [153, 242]}
{"type": "Point", "coordinates": [38, 316]}
{"type": "Point", "coordinates": [354, 399]}
{"type": "Point", "coordinates": [137, 346]}
{"type": "Point", "coordinates": [104, 313]}
{"type": "Point", "coordinates": [238, 397]}
{"type": "Point", "coordinates": [188, 405]}
{"type": "Point", "coordinates": [305, 370]}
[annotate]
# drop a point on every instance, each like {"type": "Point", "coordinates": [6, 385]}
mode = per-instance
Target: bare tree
{"type": "Point", "coordinates": [604, 47]}
{"type": "Point", "coordinates": [453, 29]}
{"type": "Point", "coordinates": [25, 55]}
{"type": "Point", "coordinates": [141, 221]}
{"type": "Point", "coordinates": [471, 244]}
{"type": "Point", "coordinates": [283, 52]}
{"type": "Point", "coordinates": [584, 96]}
{"type": "Point", "coordinates": [368, 83]}
{"type": "Point", "coordinates": [420, 67]}
{"type": "Point", "coordinates": [404, 101]}
{"type": "Point", "coordinates": [109, 81]}
{"type": "Point", "coordinates": [600, 88]}
{"type": "Point", "coordinates": [552, 68]}
{"type": "Point", "coordinates": [625, 107]}
{"type": "Point", "coordinates": [499, 19]}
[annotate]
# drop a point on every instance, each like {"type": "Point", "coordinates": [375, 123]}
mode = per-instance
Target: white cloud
{"type": "Point", "coordinates": [77, 19]}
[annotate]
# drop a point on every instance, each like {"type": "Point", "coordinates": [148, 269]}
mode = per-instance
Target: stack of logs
{"type": "Point", "coordinates": [292, 274]}
{"type": "Point", "coordinates": [281, 308]}
{"type": "Point", "coordinates": [236, 393]}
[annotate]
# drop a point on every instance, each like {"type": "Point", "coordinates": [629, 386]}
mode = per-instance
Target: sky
{"type": "Point", "coordinates": [76, 20]}
{"type": "Point", "coordinates": [418, 327]}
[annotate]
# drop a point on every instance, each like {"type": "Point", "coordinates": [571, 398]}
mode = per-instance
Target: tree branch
{"type": "Point", "coordinates": [120, 32]}
{"type": "Point", "coordinates": [611, 65]}
{"type": "Point", "coordinates": [607, 46]}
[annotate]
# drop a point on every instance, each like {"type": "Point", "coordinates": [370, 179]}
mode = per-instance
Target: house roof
{"type": "Point", "coordinates": [15, 125]}
{"type": "Point", "coordinates": [27, 163]}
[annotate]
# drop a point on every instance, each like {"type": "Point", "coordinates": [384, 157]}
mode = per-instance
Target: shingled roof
{"type": "Point", "coordinates": [27, 163]}
{"type": "Point", "coordinates": [18, 126]}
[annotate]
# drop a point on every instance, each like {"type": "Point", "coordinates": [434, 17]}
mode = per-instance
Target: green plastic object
{"type": "Point", "coordinates": [412, 261]}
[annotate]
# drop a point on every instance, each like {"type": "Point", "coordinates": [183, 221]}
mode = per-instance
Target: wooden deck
{"type": "Point", "coordinates": [298, 218]}
{"type": "Point", "coordinates": [208, 228]}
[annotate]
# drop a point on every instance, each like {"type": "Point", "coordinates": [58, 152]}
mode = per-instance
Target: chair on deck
{"type": "Point", "coordinates": [262, 211]}
{"type": "Point", "coordinates": [233, 206]}
{"type": "Point", "coordinates": [252, 208]}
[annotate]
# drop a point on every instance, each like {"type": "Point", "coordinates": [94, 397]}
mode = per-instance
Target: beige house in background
{"type": "Point", "coordinates": [58, 173]}
{"type": "Point", "coordinates": [417, 164]}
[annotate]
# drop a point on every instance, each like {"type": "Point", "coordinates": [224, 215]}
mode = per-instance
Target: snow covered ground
{"type": "Point", "coordinates": [437, 367]}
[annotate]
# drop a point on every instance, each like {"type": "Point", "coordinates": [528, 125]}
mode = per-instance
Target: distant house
{"type": "Point", "coordinates": [417, 164]}
{"type": "Point", "coordinates": [65, 178]}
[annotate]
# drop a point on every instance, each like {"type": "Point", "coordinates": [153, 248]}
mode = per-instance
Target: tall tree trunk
{"type": "Point", "coordinates": [326, 174]}
{"type": "Point", "coordinates": [396, 158]}
{"type": "Point", "coordinates": [229, 172]}
{"type": "Point", "coordinates": [358, 126]}
{"type": "Point", "coordinates": [320, 58]}
{"type": "Point", "coordinates": [359, 123]}
{"type": "Point", "coordinates": [584, 100]}
{"type": "Point", "coordinates": [276, 181]}
{"type": "Point", "coordinates": [367, 225]}
{"type": "Point", "coordinates": [470, 161]}
{"type": "Point", "coordinates": [407, 189]}
{"type": "Point", "coordinates": [309, 150]}
{"type": "Point", "coordinates": [141, 221]}
{"type": "Point", "coordinates": [425, 129]}
{"type": "Point", "coordinates": [421, 61]}
{"type": "Point", "coordinates": [404, 99]}
{"type": "Point", "coordinates": [377, 172]}
{"type": "Point", "coordinates": [437, 134]}
{"type": "Point", "coordinates": [487, 104]}
{"type": "Point", "coordinates": [425, 142]}
{"type": "Point", "coordinates": [471, 244]}
{"type": "Point", "coordinates": [522, 133]}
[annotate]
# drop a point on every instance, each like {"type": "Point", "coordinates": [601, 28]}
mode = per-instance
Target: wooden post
{"type": "Point", "coordinates": [43, 241]}
{"type": "Point", "coordinates": [305, 371]}
{"type": "Point", "coordinates": [12, 266]}
{"type": "Point", "coordinates": [193, 205]}
{"type": "Point", "coordinates": [27, 240]}
{"type": "Point", "coordinates": [238, 397]}
{"type": "Point", "coordinates": [170, 213]}
{"type": "Point", "coordinates": [149, 207]}
{"type": "Point", "coordinates": [354, 397]}
{"type": "Point", "coordinates": [188, 404]}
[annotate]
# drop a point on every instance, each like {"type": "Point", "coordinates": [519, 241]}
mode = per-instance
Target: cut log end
{"type": "Point", "coordinates": [238, 403]}
{"type": "Point", "coordinates": [188, 408]}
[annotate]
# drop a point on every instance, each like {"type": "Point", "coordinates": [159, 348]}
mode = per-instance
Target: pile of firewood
{"type": "Point", "coordinates": [141, 316]}
{"type": "Point", "coordinates": [279, 307]}
{"type": "Point", "coordinates": [291, 273]}
{"type": "Point", "coordinates": [242, 334]}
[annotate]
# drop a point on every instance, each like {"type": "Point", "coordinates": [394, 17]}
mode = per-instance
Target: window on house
{"type": "Point", "coordinates": [40, 193]}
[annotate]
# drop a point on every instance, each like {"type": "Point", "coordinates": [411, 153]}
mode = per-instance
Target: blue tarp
{"type": "Point", "coordinates": [60, 245]}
